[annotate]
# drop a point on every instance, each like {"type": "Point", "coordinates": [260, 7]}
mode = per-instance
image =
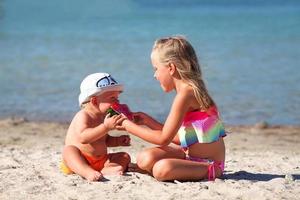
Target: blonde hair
{"type": "Point", "coordinates": [179, 51]}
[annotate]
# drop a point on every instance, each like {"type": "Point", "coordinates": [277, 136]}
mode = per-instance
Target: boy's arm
{"type": "Point", "coordinates": [112, 141]}
{"type": "Point", "coordinates": [89, 135]}
{"type": "Point", "coordinates": [153, 124]}
{"type": "Point", "coordinates": [123, 140]}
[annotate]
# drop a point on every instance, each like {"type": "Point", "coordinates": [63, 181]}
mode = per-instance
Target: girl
{"type": "Point", "coordinates": [193, 121]}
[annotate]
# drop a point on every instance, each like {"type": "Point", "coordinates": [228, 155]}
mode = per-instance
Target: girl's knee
{"type": "Point", "coordinates": [145, 159]}
{"type": "Point", "coordinates": [162, 170]}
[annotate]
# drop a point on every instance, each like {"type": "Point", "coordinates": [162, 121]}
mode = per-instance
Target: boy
{"type": "Point", "coordinates": [87, 139]}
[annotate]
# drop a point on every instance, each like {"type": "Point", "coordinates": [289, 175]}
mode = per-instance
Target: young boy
{"type": "Point", "coordinates": [87, 139]}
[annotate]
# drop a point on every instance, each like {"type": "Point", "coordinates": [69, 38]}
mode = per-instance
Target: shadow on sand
{"type": "Point", "coordinates": [243, 175]}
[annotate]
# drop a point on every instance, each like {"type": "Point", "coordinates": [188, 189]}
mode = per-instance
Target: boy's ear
{"type": "Point", "coordinates": [172, 68]}
{"type": "Point", "coordinates": [94, 101]}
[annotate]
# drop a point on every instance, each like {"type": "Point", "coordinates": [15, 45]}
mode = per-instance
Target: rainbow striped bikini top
{"type": "Point", "coordinates": [201, 127]}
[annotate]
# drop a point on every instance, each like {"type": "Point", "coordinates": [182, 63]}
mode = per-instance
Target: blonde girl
{"type": "Point", "coordinates": [193, 124]}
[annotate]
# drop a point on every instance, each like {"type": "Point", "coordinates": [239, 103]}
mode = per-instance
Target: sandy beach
{"type": "Point", "coordinates": [262, 163]}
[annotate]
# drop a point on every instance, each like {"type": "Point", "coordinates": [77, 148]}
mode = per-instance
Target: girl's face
{"type": "Point", "coordinates": [162, 73]}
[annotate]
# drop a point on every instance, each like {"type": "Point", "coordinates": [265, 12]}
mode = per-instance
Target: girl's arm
{"type": "Point", "coordinates": [141, 118]}
{"type": "Point", "coordinates": [176, 140]}
{"type": "Point", "coordinates": [165, 135]}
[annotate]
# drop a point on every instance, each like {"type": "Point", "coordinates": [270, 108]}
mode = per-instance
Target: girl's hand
{"type": "Point", "coordinates": [120, 126]}
{"type": "Point", "coordinates": [123, 140]}
{"type": "Point", "coordinates": [113, 121]}
{"type": "Point", "coordinates": [139, 118]}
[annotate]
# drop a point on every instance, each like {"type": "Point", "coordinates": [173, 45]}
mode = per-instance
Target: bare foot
{"type": "Point", "coordinates": [113, 170]}
{"type": "Point", "coordinates": [132, 167]}
{"type": "Point", "coordinates": [93, 176]}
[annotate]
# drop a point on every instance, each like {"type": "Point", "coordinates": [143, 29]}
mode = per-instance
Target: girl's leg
{"type": "Point", "coordinates": [117, 163]}
{"type": "Point", "coordinates": [147, 158]}
{"type": "Point", "coordinates": [78, 164]}
{"type": "Point", "coordinates": [178, 169]}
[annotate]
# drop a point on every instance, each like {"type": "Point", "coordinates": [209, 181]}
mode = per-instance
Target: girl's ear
{"type": "Point", "coordinates": [172, 68]}
{"type": "Point", "coordinates": [94, 101]}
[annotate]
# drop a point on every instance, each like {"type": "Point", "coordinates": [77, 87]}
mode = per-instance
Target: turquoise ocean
{"type": "Point", "coordinates": [249, 53]}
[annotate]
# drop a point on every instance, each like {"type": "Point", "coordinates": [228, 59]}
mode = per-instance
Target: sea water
{"type": "Point", "coordinates": [249, 53]}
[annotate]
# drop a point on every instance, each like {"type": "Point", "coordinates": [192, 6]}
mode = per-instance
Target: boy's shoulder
{"type": "Point", "coordinates": [84, 117]}
{"type": "Point", "coordinates": [80, 117]}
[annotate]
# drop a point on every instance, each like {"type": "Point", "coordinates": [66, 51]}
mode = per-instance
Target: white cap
{"type": "Point", "coordinates": [97, 84]}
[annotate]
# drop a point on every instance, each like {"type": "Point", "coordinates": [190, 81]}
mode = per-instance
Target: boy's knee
{"type": "Point", "coordinates": [162, 170]}
{"type": "Point", "coordinates": [123, 158]}
{"type": "Point", "coordinates": [126, 157]}
{"type": "Point", "coordinates": [69, 149]}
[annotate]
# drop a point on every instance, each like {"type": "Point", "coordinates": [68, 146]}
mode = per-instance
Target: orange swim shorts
{"type": "Point", "coordinates": [96, 163]}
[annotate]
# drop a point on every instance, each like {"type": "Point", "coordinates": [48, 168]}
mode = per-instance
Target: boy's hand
{"type": "Point", "coordinates": [123, 140]}
{"type": "Point", "coordinates": [111, 122]}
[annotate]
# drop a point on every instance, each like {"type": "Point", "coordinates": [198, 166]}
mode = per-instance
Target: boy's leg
{"type": "Point", "coordinates": [147, 158]}
{"type": "Point", "coordinates": [116, 164]}
{"type": "Point", "coordinates": [78, 164]}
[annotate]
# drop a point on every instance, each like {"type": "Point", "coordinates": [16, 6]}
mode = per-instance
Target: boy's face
{"type": "Point", "coordinates": [107, 99]}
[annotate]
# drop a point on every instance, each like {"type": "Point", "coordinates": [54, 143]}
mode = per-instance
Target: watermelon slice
{"type": "Point", "coordinates": [122, 108]}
